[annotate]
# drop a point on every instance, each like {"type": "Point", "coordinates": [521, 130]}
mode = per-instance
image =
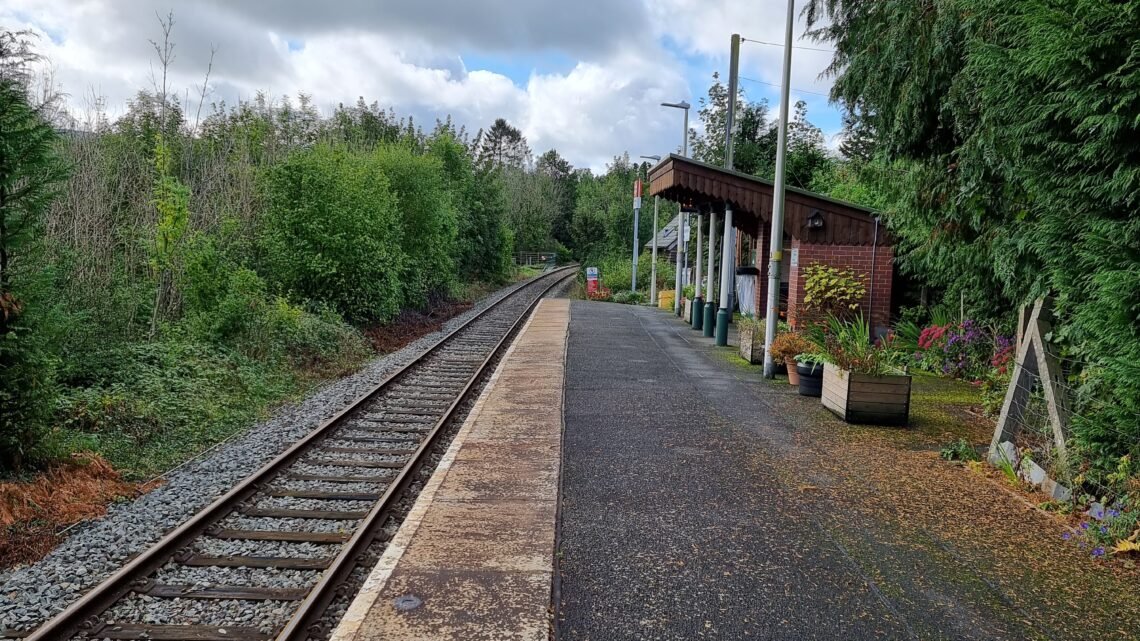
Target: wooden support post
{"type": "Point", "coordinates": [1033, 360]}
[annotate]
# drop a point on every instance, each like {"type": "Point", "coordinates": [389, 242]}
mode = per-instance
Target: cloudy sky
{"type": "Point", "coordinates": [584, 77]}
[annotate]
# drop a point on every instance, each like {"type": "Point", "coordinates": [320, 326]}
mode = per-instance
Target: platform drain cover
{"type": "Point", "coordinates": [407, 603]}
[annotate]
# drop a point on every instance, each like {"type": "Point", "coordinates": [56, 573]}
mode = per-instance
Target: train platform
{"type": "Point", "coordinates": [474, 557]}
{"type": "Point", "coordinates": [622, 478]}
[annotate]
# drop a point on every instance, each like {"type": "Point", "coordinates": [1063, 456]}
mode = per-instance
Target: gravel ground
{"type": "Point", "coordinates": [335, 470]}
{"type": "Point", "coordinates": [358, 456]}
{"type": "Point", "coordinates": [275, 524]}
{"type": "Point", "coordinates": [265, 615]}
{"type": "Point", "coordinates": [350, 433]}
{"type": "Point", "coordinates": [31, 594]}
{"type": "Point", "coordinates": [333, 442]}
{"type": "Point", "coordinates": [176, 574]}
{"type": "Point", "coordinates": [326, 486]}
{"type": "Point", "coordinates": [291, 503]}
{"type": "Point", "coordinates": [227, 547]}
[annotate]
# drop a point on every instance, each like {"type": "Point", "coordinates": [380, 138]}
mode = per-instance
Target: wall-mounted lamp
{"type": "Point", "coordinates": [815, 221]}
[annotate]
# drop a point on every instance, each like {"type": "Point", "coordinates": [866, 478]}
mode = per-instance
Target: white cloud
{"type": "Point", "coordinates": [410, 55]}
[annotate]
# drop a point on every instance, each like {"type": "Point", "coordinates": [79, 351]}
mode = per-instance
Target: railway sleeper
{"type": "Point", "coordinates": [379, 480]}
{"type": "Point", "coordinates": [279, 562]}
{"type": "Point", "coordinates": [275, 535]}
{"type": "Point", "coordinates": [177, 632]}
{"type": "Point", "coordinates": [392, 465]}
{"type": "Point", "coordinates": [327, 515]}
{"type": "Point", "coordinates": [317, 494]}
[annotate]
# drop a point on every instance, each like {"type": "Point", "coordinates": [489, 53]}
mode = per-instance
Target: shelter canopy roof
{"type": "Point", "coordinates": [708, 188]}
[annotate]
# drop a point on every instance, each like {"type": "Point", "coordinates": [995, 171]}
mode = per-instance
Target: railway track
{"type": "Point", "coordinates": [265, 560]}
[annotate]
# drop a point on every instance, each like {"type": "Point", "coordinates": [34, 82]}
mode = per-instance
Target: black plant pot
{"type": "Point", "coordinates": [811, 379]}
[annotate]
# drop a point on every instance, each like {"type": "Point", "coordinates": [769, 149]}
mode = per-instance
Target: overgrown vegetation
{"type": "Point", "coordinates": [164, 280]}
{"type": "Point", "coordinates": [1001, 141]}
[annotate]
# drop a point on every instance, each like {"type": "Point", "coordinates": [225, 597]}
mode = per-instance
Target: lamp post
{"type": "Point", "coordinates": [685, 132]}
{"type": "Point", "coordinates": [681, 217]}
{"type": "Point", "coordinates": [653, 266]}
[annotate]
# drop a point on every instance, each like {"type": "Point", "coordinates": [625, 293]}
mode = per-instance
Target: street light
{"type": "Point", "coordinates": [684, 133]}
{"type": "Point", "coordinates": [680, 223]}
{"type": "Point", "coordinates": [653, 266]}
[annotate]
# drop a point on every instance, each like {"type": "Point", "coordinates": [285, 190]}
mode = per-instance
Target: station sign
{"type": "Point", "coordinates": [637, 194]}
{"type": "Point", "coordinates": [591, 280]}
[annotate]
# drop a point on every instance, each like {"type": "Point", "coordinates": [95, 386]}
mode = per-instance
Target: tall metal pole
{"type": "Point", "coordinates": [636, 224]}
{"type": "Point", "coordinates": [708, 324]}
{"type": "Point", "coordinates": [772, 314]}
{"type": "Point", "coordinates": [653, 268]}
{"type": "Point", "coordinates": [727, 266]}
{"type": "Point", "coordinates": [730, 117]}
{"type": "Point", "coordinates": [685, 133]}
{"type": "Point", "coordinates": [729, 151]}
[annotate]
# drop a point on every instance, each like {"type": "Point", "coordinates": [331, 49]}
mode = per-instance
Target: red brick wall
{"type": "Point", "coordinates": [856, 257]}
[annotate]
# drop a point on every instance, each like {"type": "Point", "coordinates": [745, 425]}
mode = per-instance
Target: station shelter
{"type": "Point", "coordinates": [817, 230]}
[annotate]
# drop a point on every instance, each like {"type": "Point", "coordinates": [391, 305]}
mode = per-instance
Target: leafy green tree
{"type": "Point", "coordinates": [552, 165]}
{"type": "Point", "coordinates": [1011, 134]}
{"type": "Point", "coordinates": [755, 141]}
{"type": "Point", "coordinates": [30, 176]}
{"type": "Point", "coordinates": [483, 239]}
{"type": "Point", "coordinates": [501, 146]}
{"type": "Point", "coordinates": [428, 219]}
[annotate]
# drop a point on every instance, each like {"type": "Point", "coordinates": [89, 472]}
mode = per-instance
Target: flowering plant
{"type": "Point", "coordinates": [963, 350]}
{"type": "Point", "coordinates": [1114, 531]}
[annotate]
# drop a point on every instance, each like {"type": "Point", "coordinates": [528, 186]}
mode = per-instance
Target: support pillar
{"type": "Point", "coordinates": [709, 321]}
{"type": "Point", "coordinates": [726, 269]}
{"type": "Point", "coordinates": [697, 314]}
{"type": "Point", "coordinates": [677, 277]}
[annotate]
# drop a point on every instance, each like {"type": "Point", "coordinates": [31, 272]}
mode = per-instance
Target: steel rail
{"type": "Point", "coordinates": [73, 619]}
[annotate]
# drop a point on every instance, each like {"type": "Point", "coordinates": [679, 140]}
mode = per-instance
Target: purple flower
{"type": "Point", "coordinates": [1103, 530]}
{"type": "Point", "coordinates": [1085, 525]}
{"type": "Point", "coordinates": [1112, 514]}
{"type": "Point", "coordinates": [1066, 535]}
{"type": "Point", "coordinates": [1099, 551]}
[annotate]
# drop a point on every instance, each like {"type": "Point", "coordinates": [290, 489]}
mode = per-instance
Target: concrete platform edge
{"type": "Point", "coordinates": [350, 624]}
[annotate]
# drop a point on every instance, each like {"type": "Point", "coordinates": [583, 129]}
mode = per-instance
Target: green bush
{"type": "Point", "coordinates": [628, 298]}
{"type": "Point", "coordinates": [167, 400]}
{"type": "Point", "coordinates": [333, 233]}
{"type": "Point", "coordinates": [428, 221]}
{"type": "Point", "coordinates": [616, 272]}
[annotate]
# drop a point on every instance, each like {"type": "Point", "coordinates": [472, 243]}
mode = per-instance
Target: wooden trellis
{"type": "Point", "coordinates": [1033, 360]}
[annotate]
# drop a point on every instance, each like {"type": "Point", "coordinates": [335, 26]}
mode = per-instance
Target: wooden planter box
{"type": "Point", "coordinates": [863, 398]}
{"type": "Point", "coordinates": [751, 344]}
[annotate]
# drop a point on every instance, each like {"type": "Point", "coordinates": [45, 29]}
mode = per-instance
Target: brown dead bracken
{"type": "Point", "coordinates": [33, 512]}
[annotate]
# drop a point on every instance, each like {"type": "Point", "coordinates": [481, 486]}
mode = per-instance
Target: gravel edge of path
{"type": "Point", "coordinates": [93, 551]}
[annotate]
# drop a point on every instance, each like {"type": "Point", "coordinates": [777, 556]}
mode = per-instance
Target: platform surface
{"type": "Point", "coordinates": [700, 501]}
{"type": "Point", "coordinates": [475, 554]}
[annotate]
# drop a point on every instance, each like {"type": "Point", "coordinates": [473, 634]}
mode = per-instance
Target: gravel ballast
{"type": "Point", "coordinates": [29, 595]}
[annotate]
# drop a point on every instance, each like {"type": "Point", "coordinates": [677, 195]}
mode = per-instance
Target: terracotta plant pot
{"type": "Point", "coordinates": [793, 375]}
